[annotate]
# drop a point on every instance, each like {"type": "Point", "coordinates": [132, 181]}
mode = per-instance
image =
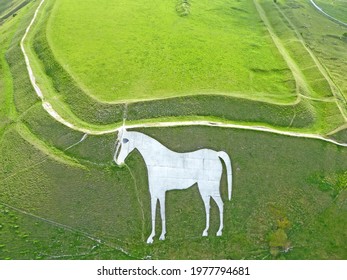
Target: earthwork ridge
{"type": "Point", "coordinates": [106, 117]}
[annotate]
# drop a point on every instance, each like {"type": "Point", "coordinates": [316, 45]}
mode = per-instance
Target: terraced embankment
{"type": "Point", "coordinates": [203, 107]}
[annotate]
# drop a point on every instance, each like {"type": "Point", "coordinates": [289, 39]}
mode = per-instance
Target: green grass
{"type": "Point", "coordinates": [5, 90]}
{"type": "Point", "coordinates": [8, 112]}
{"type": "Point", "coordinates": [306, 65]}
{"type": "Point", "coordinates": [28, 237]}
{"type": "Point", "coordinates": [23, 96]}
{"type": "Point", "coordinates": [4, 5]}
{"type": "Point", "coordinates": [10, 8]}
{"type": "Point", "coordinates": [323, 36]}
{"type": "Point", "coordinates": [74, 104]}
{"type": "Point", "coordinates": [341, 135]}
{"type": "Point", "coordinates": [28, 175]}
{"type": "Point", "coordinates": [54, 202]}
{"type": "Point", "coordinates": [335, 8]}
{"type": "Point", "coordinates": [160, 54]}
{"type": "Point", "coordinates": [64, 89]}
{"type": "Point", "coordinates": [272, 181]}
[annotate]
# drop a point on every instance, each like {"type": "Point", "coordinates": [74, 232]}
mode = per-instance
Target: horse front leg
{"type": "Point", "coordinates": [153, 210]}
{"type": "Point", "coordinates": [162, 213]}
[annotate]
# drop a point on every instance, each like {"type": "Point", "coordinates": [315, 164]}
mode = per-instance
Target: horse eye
{"type": "Point", "coordinates": [125, 140]}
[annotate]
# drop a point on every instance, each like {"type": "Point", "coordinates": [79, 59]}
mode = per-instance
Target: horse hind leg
{"type": "Point", "coordinates": [154, 201]}
{"type": "Point", "coordinates": [219, 203]}
{"type": "Point", "coordinates": [206, 200]}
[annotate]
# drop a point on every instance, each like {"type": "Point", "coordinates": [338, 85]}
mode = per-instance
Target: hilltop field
{"type": "Point", "coordinates": [275, 68]}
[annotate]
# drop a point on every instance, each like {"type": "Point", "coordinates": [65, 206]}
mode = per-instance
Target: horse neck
{"type": "Point", "coordinates": [146, 145]}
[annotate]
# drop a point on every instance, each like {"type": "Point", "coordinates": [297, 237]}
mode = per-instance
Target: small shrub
{"type": "Point", "coordinates": [278, 242]}
{"type": "Point", "coordinates": [183, 8]}
{"type": "Point", "coordinates": [335, 183]}
{"type": "Point", "coordinates": [283, 223]}
{"type": "Point", "coordinates": [278, 238]}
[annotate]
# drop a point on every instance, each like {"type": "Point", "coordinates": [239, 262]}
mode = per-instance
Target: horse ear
{"type": "Point", "coordinates": [124, 131]}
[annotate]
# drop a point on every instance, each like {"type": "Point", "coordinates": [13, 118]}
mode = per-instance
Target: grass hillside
{"type": "Point", "coordinates": [324, 37]}
{"type": "Point", "coordinates": [282, 186]}
{"type": "Point", "coordinates": [335, 8]}
{"type": "Point", "coordinates": [65, 199]}
{"type": "Point", "coordinates": [130, 50]}
{"type": "Point", "coordinates": [4, 5]}
{"type": "Point", "coordinates": [316, 106]}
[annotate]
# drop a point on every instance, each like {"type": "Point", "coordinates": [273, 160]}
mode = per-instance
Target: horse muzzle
{"type": "Point", "coordinates": [118, 162]}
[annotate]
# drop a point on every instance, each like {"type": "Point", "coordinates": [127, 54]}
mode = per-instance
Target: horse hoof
{"type": "Point", "coordinates": [205, 233]}
{"type": "Point", "coordinates": [162, 237]}
{"type": "Point", "coordinates": [219, 233]}
{"type": "Point", "coordinates": [149, 240]}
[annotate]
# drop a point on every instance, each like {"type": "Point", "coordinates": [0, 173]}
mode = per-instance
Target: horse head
{"type": "Point", "coordinates": [124, 146]}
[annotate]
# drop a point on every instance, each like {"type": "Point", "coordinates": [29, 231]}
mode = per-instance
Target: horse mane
{"type": "Point", "coordinates": [148, 139]}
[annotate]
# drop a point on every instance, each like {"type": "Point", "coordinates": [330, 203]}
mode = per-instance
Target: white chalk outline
{"type": "Point", "coordinates": [169, 170]}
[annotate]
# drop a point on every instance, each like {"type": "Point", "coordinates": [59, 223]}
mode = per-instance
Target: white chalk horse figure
{"type": "Point", "coordinates": [168, 170]}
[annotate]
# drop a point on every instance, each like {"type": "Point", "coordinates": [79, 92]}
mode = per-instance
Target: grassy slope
{"type": "Point", "coordinates": [335, 8]}
{"type": "Point", "coordinates": [25, 236]}
{"type": "Point", "coordinates": [324, 37]}
{"type": "Point", "coordinates": [315, 81]}
{"type": "Point", "coordinates": [9, 8]}
{"type": "Point", "coordinates": [229, 108]}
{"type": "Point", "coordinates": [71, 102]}
{"type": "Point", "coordinates": [6, 108]}
{"type": "Point", "coordinates": [160, 54]}
{"type": "Point", "coordinates": [275, 177]}
{"type": "Point", "coordinates": [65, 94]}
{"type": "Point", "coordinates": [310, 80]}
{"type": "Point", "coordinates": [4, 5]}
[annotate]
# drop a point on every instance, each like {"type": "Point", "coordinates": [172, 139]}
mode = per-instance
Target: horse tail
{"type": "Point", "coordinates": [225, 157]}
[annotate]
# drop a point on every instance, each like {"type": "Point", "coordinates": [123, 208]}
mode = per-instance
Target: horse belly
{"type": "Point", "coordinates": [185, 170]}
{"type": "Point", "coordinates": [177, 184]}
{"type": "Point", "coordinates": [172, 178]}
